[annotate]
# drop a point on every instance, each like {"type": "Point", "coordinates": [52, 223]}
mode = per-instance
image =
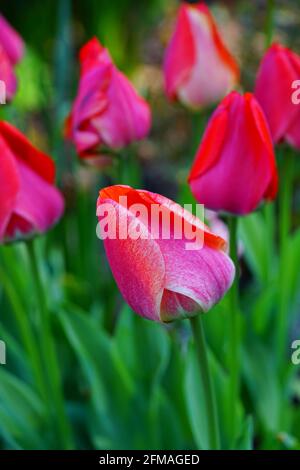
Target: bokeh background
{"type": "Point", "coordinates": [128, 383]}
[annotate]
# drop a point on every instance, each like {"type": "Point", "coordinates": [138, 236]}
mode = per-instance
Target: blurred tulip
{"type": "Point", "coordinates": [29, 203]}
{"type": "Point", "coordinates": [198, 68]}
{"type": "Point", "coordinates": [158, 277]}
{"type": "Point", "coordinates": [107, 111]}
{"type": "Point", "coordinates": [11, 52]}
{"type": "Point", "coordinates": [235, 169]}
{"type": "Point", "coordinates": [279, 69]}
{"type": "Point", "coordinates": [220, 228]}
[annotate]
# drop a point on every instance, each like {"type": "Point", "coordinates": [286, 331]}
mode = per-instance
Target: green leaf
{"type": "Point", "coordinates": [246, 437]}
{"type": "Point", "coordinates": [252, 230]}
{"type": "Point", "coordinates": [106, 377]}
{"type": "Point", "coordinates": [22, 414]}
{"type": "Point", "coordinates": [263, 384]}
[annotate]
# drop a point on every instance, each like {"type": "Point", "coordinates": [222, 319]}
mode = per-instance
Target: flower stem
{"type": "Point", "coordinates": [285, 202]}
{"type": "Point", "coordinates": [270, 22]}
{"type": "Point", "coordinates": [49, 357]}
{"type": "Point", "coordinates": [234, 339]}
{"type": "Point", "coordinates": [27, 335]}
{"type": "Point", "coordinates": [210, 403]}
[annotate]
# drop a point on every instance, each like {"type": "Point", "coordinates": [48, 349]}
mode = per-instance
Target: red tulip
{"type": "Point", "coordinates": [235, 169]}
{"type": "Point", "coordinates": [29, 203]}
{"type": "Point", "coordinates": [198, 68]}
{"type": "Point", "coordinates": [278, 71]}
{"type": "Point", "coordinates": [11, 52]}
{"type": "Point", "coordinates": [107, 110]}
{"type": "Point", "coordinates": [157, 275]}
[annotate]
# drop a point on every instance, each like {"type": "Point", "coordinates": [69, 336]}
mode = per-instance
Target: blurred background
{"type": "Point", "coordinates": [129, 384]}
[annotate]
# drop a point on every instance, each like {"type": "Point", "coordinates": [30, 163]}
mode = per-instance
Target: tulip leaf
{"type": "Point", "coordinates": [252, 230]}
{"type": "Point", "coordinates": [246, 437]}
{"type": "Point", "coordinates": [194, 394]}
{"type": "Point", "coordinates": [21, 413]}
{"type": "Point", "coordinates": [263, 384]}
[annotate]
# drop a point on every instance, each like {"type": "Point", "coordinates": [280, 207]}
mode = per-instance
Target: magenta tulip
{"type": "Point", "coordinates": [11, 52]}
{"type": "Point", "coordinates": [29, 202]}
{"type": "Point", "coordinates": [158, 276]}
{"type": "Point", "coordinates": [234, 168]}
{"type": "Point", "coordinates": [277, 75]}
{"type": "Point", "coordinates": [198, 68]}
{"type": "Point", "coordinates": [107, 111]}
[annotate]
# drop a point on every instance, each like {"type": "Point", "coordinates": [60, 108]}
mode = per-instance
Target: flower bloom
{"type": "Point", "coordinates": [235, 168]}
{"type": "Point", "coordinates": [11, 52]}
{"type": "Point", "coordinates": [158, 277]}
{"type": "Point", "coordinates": [278, 71]}
{"type": "Point", "coordinates": [198, 68]}
{"type": "Point", "coordinates": [107, 111]}
{"type": "Point", "coordinates": [29, 203]}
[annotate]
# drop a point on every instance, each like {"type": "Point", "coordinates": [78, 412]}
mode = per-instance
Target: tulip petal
{"type": "Point", "coordinates": [180, 54]}
{"type": "Point", "coordinates": [38, 205]}
{"type": "Point", "coordinates": [215, 72]}
{"type": "Point", "coordinates": [175, 305]}
{"type": "Point", "coordinates": [137, 265]}
{"type": "Point", "coordinates": [7, 75]}
{"type": "Point", "coordinates": [127, 117]}
{"type": "Point", "coordinates": [273, 89]}
{"type": "Point", "coordinates": [9, 184]}
{"type": "Point", "coordinates": [22, 149]}
{"type": "Point", "coordinates": [107, 110]}
{"type": "Point", "coordinates": [241, 169]}
{"type": "Point", "coordinates": [160, 278]}
{"type": "Point", "coordinates": [210, 239]}
{"type": "Point", "coordinates": [11, 41]}
{"type": "Point", "coordinates": [203, 276]}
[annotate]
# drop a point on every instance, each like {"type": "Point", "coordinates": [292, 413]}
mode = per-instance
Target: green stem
{"type": "Point", "coordinates": [48, 351]}
{"type": "Point", "coordinates": [269, 215]}
{"type": "Point", "coordinates": [285, 203]}
{"type": "Point", "coordinates": [270, 22]}
{"type": "Point", "coordinates": [210, 402]}
{"type": "Point", "coordinates": [198, 126]}
{"type": "Point", "coordinates": [129, 167]}
{"type": "Point", "coordinates": [234, 339]}
{"type": "Point", "coordinates": [27, 335]}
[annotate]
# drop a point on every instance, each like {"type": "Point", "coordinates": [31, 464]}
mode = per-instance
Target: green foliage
{"type": "Point", "coordinates": [129, 383]}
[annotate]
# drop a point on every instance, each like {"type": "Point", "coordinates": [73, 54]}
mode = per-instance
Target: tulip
{"type": "Point", "coordinates": [198, 68]}
{"type": "Point", "coordinates": [234, 168]}
{"type": "Point", "coordinates": [279, 69]}
{"type": "Point", "coordinates": [11, 52]}
{"type": "Point", "coordinates": [29, 203]}
{"type": "Point", "coordinates": [158, 277]}
{"type": "Point", "coordinates": [107, 111]}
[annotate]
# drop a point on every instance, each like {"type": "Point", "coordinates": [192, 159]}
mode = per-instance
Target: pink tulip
{"type": "Point", "coordinates": [29, 203]}
{"type": "Point", "coordinates": [158, 277]}
{"type": "Point", "coordinates": [234, 168]}
{"type": "Point", "coordinates": [107, 111]}
{"type": "Point", "coordinates": [198, 68]}
{"type": "Point", "coordinates": [11, 52]}
{"type": "Point", "coordinates": [279, 69]}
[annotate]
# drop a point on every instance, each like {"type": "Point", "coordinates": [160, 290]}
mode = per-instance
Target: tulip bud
{"type": "Point", "coordinates": [157, 275]}
{"type": "Point", "coordinates": [11, 52]}
{"type": "Point", "coordinates": [277, 76]}
{"type": "Point", "coordinates": [234, 168]}
{"type": "Point", "coordinates": [107, 111]}
{"type": "Point", "coordinates": [29, 202]}
{"type": "Point", "coordinates": [198, 68]}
